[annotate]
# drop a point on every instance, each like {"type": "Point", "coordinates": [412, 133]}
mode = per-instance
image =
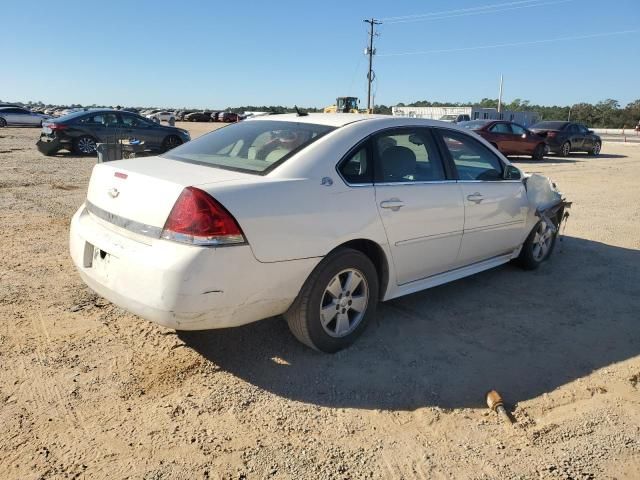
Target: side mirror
{"type": "Point", "coordinates": [512, 173]}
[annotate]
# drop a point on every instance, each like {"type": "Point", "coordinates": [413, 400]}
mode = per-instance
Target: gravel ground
{"type": "Point", "coordinates": [90, 391]}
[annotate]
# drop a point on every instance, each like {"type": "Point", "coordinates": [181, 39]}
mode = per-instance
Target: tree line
{"type": "Point", "coordinates": [604, 114]}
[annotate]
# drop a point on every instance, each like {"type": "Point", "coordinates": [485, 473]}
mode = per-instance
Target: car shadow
{"type": "Point", "coordinates": [522, 333]}
{"type": "Point", "coordinates": [574, 158]}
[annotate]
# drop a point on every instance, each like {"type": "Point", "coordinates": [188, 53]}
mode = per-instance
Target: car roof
{"type": "Point", "coordinates": [328, 119]}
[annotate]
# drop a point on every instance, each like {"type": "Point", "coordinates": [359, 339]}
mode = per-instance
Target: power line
{"type": "Point", "coordinates": [468, 12]}
{"type": "Point", "coordinates": [515, 44]}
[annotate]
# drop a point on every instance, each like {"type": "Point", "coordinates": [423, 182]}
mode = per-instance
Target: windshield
{"type": "Point", "coordinates": [473, 124]}
{"type": "Point", "coordinates": [448, 117]}
{"type": "Point", "coordinates": [249, 146]}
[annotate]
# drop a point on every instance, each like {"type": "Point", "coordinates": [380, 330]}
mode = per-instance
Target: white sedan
{"type": "Point", "coordinates": [317, 217]}
{"type": "Point", "coordinates": [163, 116]}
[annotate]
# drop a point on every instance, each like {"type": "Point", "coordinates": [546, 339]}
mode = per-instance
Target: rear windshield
{"type": "Point", "coordinates": [473, 124]}
{"type": "Point", "coordinates": [549, 125]}
{"type": "Point", "coordinates": [249, 146]}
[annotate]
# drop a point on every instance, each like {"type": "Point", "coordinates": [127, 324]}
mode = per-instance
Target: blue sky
{"type": "Point", "coordinates": [218, 54]}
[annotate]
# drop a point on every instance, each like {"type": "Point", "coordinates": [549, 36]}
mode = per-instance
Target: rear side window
{"type": "Point", "coordinates": [101, 119]}
{"type": "Point", "coordinates": [407, 156]}
{"type": "Point", "coordinates": [357, 168]}
{"type": "Point", "coordinates": [473, 160]}
{"type": "Point", "coordinates": [254, 146]}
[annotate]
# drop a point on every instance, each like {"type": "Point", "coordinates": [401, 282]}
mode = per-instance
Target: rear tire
{"type": "Point", "coordinates": [538, 152]}
{"type": "Point", "coordinates": [3, 122]}
{"type": "Point", "coordinates": [85, 145]}
{"type": "Point", "coordinates": [538, 247]}
{"type": "Point", "coordinates": [346, 280]}
{"type": "Point", "coordinates": [565, 149]}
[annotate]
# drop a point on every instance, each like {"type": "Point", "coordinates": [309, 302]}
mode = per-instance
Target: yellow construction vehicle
{"type": "Point", "coordinates": [344, 105]}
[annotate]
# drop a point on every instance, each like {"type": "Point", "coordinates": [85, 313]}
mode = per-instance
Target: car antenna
{"type": "Point", "coordinates": [299, 113]}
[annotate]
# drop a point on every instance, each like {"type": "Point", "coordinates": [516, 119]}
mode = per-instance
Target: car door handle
{"type": "Point", "coordinates": [475, 197]}
{"type": "Point", "coordinates": [394, 204]}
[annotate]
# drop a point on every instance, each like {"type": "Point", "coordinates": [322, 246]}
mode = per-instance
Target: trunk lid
{"type": "Point", "coordinates": [144, 190]}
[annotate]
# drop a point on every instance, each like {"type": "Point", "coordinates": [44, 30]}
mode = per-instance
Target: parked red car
{"type": "Point", "coordinates": [229, 117]}
{"type": "Point", "coordinates": [508, 137]}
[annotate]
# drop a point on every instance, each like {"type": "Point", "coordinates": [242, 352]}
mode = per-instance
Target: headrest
{"type": "Point", "coordinates": [398, 162]}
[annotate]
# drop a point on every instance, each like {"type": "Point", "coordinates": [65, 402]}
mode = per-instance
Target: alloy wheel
{"type": "Point", "coordinates": [87, 145]}
{"type": "Point", "coordinates": [596, 148]}
{"type": "Point", "coordinates": [344, 303]}
{"type": "Point", "coordinates": [566, 149]}
{"type": "Point", "coordinates": [542, 241]}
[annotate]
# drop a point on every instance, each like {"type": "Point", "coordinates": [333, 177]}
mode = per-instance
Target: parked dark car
{"type": "Point", "coordinates": [198, 116]}
{"type": "Point", "coordinates": [180, 114]}
{"type": "Point", "coordinates": [566, 137]}
{"type": "Point", "coordinates": [79, 132]}
{"type": "Point", "coordinates": [508, 137]}
{"type": "Point", "coordinates": [229, 117]}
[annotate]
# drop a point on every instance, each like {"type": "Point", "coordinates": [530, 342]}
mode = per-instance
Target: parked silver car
{"type": "Point", "coordinates": [10, 116]}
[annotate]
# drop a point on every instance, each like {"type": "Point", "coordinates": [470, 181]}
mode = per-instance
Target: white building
{"type": "Point", "coordinates": [475, 113]}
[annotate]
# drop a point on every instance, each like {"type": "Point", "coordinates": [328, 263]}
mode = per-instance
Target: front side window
{"type": "Point", "coordinates": [407, 156]}
{"type": "Point", "coordinates": [500, 128]}
{"type": "Point", "coordinates": [517, 129]}
{"type": "Point", "coordinates": [254, 146]}
{"type": "Point", "coordinates": [133, 121]}
{"type": "Point", "coordinates": [473, 160]}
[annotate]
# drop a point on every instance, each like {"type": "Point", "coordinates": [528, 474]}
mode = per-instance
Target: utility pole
{"type": "Point", "coordinates": [371, 52]}
{"type": "Point", "coordinates": [500, 97]}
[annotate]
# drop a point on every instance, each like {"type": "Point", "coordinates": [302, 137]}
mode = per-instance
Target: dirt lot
{"type": "Point", "coordinates": [89, 391]}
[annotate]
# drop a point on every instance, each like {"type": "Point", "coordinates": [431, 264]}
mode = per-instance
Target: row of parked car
{"type": "Point", "coordinates": [539, 139]}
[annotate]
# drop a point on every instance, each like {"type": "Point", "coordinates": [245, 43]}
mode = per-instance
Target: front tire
{"type": "Point", "coordinates": [3, 122]}
{"type": "Point", "coordinates": [565, 150]}
{"type": "Point", "coordinates": [538, 246]}
{"type": "Point", "coordinates": [595, 150]}
{"type": "Point", "coordinates": [538, 152]}
{"type": "Point", "coordinates": [336, 302]}
{"type": "Point", "coordinates": [170, 142]}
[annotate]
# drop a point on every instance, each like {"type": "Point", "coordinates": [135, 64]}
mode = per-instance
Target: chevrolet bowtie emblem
{"type": "Point", "coordinates": [114, 192]}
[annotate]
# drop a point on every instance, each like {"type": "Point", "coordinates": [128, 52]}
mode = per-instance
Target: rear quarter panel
{"type": "Point", "coordinates": [287, 219]}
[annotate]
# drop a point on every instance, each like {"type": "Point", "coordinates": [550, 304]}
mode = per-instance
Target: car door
{"type": "Point", "coordinates": [138, 128]}
{"type": "Point", "coordinates": [495, 208]}
{"type": "Point", "coordinates": [501, 137]}
{"type": "Point", "coordinates": [587, 138]}
{"type": "Point", "coordinates": [13, 116]}
{"type": "Point", "coordinates": [575, 137]}
{"type": "Point", "coordinates": [522, 142]}
{"type": "Point", "coordinates": [421, 206]}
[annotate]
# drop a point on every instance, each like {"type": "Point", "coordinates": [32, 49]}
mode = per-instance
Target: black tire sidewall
{"type": "Point", "coordinates": [165, 143]}
{"type": "Point", "coordinates": [562, 149]}
{"type": "Point", "coordinates": [3, 123]}
{"type": "Point", "coordinates": [536, 152]}
{"type": "Point", "coordinates": [338, 262]}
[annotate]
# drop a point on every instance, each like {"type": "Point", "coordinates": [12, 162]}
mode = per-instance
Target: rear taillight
{"type": "Point", "coordinates": [57, 126]}
{"type": "Point", "coordinates": [196, 218]}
